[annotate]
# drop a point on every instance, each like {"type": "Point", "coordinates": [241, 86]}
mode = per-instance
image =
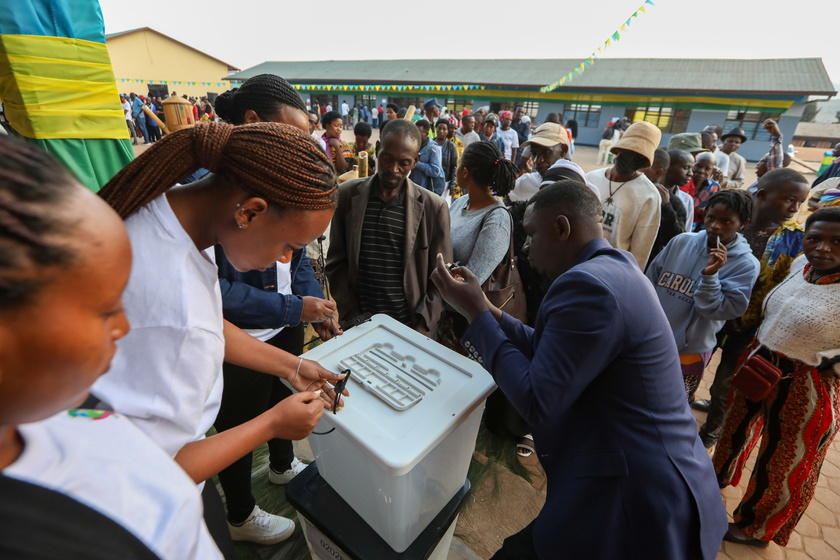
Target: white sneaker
{"type": "Point", "coordinates": [263, 528]}
{"type": "Point", "coordinates": [286, 477]}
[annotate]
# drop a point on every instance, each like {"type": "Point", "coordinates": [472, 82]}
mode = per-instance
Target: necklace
{"type": "Point", "coordinates": [612, 192]}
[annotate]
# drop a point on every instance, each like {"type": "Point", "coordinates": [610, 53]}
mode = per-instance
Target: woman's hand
{"type": "Point", "coordinates": [312, 377]}
{"type": "Point", "coordinates": [459, 288]}
{"type": "Point", "coordinates": [296, 416]}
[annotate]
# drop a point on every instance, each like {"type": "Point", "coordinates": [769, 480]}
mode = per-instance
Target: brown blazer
{"type": "Point", "coordinates": [426, 235]}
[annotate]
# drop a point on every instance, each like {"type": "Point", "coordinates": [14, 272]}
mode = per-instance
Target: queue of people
{"type": "Point", "coordinates": [623, 282]}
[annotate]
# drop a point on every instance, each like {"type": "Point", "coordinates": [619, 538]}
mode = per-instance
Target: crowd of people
{"type": "Point", "coordinates": [620, 284]}
{"type": "Point", "coordinates": [143, 129]}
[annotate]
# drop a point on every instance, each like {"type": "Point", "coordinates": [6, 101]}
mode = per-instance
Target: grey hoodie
{"type": "Point", "coordinates": [697, 305]}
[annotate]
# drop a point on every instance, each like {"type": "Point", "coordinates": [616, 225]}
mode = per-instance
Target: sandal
{"type": "Point", "coordinates": [525, 447]}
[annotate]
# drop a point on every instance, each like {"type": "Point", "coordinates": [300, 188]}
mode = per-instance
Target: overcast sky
{"type": "Point", "coordinates": [247, 32]}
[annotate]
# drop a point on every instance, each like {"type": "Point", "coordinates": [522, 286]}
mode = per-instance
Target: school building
{"type": "Point", "coordinates": [148, 62]}
{"type": "Point", "coordinates": [677, 95]}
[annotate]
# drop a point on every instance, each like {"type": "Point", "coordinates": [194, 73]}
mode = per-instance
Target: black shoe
{"type": "Point", "coordinates": [749, 541]}
{"type": "Point", "coordinates": [702, 406]}
{"type": "Point", "coordinates": [708, 439]}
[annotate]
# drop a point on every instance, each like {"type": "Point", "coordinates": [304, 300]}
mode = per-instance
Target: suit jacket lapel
{"type": "Point", "coordinates": [355, 221]}
{"type": "Point", "coordinates": [413, 216]}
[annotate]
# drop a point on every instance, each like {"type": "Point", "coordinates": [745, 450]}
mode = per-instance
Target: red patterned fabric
{"type": "Point", "coordinates": [796, 424]}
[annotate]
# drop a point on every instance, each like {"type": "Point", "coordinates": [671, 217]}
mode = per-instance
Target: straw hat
{"type": "Point", "coordinates": [642, 138]}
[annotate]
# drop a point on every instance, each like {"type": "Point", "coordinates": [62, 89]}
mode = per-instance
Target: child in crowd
{"type": "Point", "coordinates": [333, 125]}
{"type": "Point", "coordinates": [701, 186]}
{"type": "Point", "coordinates": [705, 278]}
{"type": "Point", "coordinates": [75, 483]}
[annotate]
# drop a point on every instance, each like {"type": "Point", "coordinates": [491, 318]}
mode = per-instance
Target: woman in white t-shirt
{"type": "Point", "coordinates": [77, 483]}
{"type": "Point", "coordinates": [271, 191]}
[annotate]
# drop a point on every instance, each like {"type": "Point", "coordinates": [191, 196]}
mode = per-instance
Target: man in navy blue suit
{"type": "Point", "coordinates": [598, 380]}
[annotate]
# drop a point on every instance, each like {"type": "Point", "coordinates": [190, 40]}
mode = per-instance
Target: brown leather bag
{"type": "Point", "coordinates": [504, 286]}
{"type": "Point", "coordinates": [758, 376]}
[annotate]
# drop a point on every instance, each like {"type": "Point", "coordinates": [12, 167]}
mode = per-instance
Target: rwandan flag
{"type": "Point", "coordinates": [58, 87]}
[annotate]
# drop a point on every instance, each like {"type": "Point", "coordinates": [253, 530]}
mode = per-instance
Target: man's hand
{"type": "Point", "coordinates": [328, 329]}
{"type": "Point", "coordinates": [717, 174]}
{"type": "Point", "coordinates": [716, 261]}
{"type": "Point", "coordinates": [316, 310]}
{"type": "Point", "coordinates": [459, 288]}
{"type": "Point", "coordinates": [772, 127]}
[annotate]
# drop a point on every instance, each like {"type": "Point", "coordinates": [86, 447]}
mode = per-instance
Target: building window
{"type": "Point", "coordinates": [751, 122]}
{"type": "Point", "coordinates": [587, 116]}
{"type": "Point", "coordinates": [668, 120]}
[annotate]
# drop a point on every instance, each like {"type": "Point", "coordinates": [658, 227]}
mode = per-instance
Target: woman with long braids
{"type": "Point", "coordinates": [270, 305]}
{"type": "Point", "coordinates": [75, 483]}
{"type": "Point", "coordinates": [480, 223]}
{"type": "Point", "coordinates": [271, 192]}
{"type": "Point", "coordinates": [481, 229]}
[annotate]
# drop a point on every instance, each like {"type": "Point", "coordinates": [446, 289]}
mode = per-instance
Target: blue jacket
{"type": "Point", "coordinates": [697, 305]}
{"type": "Point", "coordinates": [250, 299]}
{"type": "Point", "coordinates": [428, 173]}
{"type": "Point", "coordinates": [598, 380]}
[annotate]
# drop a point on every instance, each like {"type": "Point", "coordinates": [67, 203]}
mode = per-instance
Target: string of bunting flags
{"type": "Point", "coordinates": [586, 63]}
{"type": "Point", "coordinates": [174, 82]}
{"type": "Point", "coordinates": [385, 87]}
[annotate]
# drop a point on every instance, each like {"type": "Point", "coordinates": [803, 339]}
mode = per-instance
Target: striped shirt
{"type": "Point", "coordinates": [381, 257]}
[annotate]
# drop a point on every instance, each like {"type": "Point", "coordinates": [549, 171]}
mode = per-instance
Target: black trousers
{"type": "Point", "coordinates": [733, 346]}
{"type": "Point", "coordinates": [247, 394]}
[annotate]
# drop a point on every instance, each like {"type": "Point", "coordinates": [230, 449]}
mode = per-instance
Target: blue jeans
{"type": "Point", "coordinates": [141, 124]}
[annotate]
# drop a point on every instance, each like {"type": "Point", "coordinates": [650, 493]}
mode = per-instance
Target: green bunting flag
{"type": "Point", "coordinates": [613, 38]}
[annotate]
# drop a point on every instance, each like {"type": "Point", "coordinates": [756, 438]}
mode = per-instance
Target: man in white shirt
{"type": "Point", "coordinates": [734, 176]}
{"type": "Point", "coordinates": [345, 114]}
{"type": "Point", "coordinates": [632, 204]}
{"type": "Point", "coordinates": [466, 132]}
{"type": "Point", "coordinates": [129, 121]}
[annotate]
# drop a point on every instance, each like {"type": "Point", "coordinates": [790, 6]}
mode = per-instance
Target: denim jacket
{"type": "Point", "coordinates": [428, 172]}
{"type": "Point", "coordinates": [250, 299]}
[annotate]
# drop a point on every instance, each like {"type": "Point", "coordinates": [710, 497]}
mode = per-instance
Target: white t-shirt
{"type": "Point", "coordinates": [526, 186]}
{"type": "Point", "coordinates": [107, 464]}
{"type": "Point", "coordinates": [631, 221]}
{"type": "Point", "coordinates": [345, 110]}
{"type": "Point", "coordinates": [167, 373]}
{"type": "Point", "coordinates": [126, 106]}
{"type": "Point", "coordinates": [510, 140]}
{"type": "Point", "coordinates": [722, 161]}
{"type": "Point", "coordinates": [284, 286]}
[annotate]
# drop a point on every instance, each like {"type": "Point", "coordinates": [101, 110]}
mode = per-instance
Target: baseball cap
{"type": "Point", "coordinates": [549, 135]}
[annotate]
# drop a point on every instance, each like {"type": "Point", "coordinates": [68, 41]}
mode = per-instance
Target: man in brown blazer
{"type": "Point", "coordinates": [384, 238]}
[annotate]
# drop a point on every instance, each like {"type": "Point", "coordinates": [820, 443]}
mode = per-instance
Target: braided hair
{"type": "Point", "coordinates": [489, 168]}
{"type": "Point", "coordinates": [34, 186]}
{"type": "Point", "coordinates": [737, 200]}
{"type": "Point", "coordinates": [263, 94]}
{"type": "Point", "coordinates": [274, 161]}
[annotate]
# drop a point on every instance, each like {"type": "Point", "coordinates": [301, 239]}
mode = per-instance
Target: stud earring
{"type": "Point", "coordinates": [241, 226]}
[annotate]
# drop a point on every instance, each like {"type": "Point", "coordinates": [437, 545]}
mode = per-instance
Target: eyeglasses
{"type": "Point", "coordinates": [339, 387]}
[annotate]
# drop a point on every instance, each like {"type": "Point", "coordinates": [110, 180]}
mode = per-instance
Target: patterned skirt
{"type": "Point", "coordinates": [796, 424]}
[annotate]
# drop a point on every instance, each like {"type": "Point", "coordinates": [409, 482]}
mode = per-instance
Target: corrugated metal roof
{"type": "Point", "coordinates": [817, 130]}
{"type": "Point", "coordinates": [801, 76]}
